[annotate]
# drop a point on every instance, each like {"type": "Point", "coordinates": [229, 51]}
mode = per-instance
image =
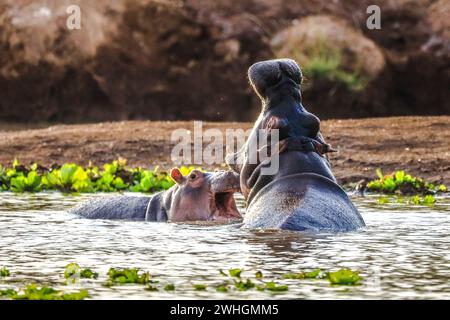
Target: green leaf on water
{"type": "Point", "coordinates": [222, 288]}
{"type": "Point", "coordinates": [272, 286]}
{"type": "Point", "coordinates": [8, 292]}
{"type": "Point", "coordinates": [258, 274]}
{"type": "Point", "coordinates": [235, 272]}
{"type": "Point", "coordinates": [303, 275]}
{"type": "Point", "coordinates": [294, 275]}
{"type": "Point", "coordinates": [128, 276]}
{"type": "Point", "coordinates": [151, 288]}
{"type": "Point", "coordinates": [344, 277]}
{"type": "Point", "coordinates": [72, 270]}
{"type": "Point", "coordinates": [80, 295]}
{"type": "Point", "coordinates": [313, 274]}
{"type": "Point", "coordinates": [33, 292]}
{"type": "Point", "coordinates": [88, 274]}
{"type": "Point", "coordinates": [223, 273]}
{"type": "Point", "coordinates": [415, 200]}
{"type": "Point", "coordinates": [169, 287]}
{"type": "Point", "coordinates": [429, 200]}
{"type": "Point", "coordinates": [244, 285]}
{"type": "Point", "coordinates": [199, 287]}
{"type": "Point", "coordinates": [4, 272]}
{"type": "Point", "coordinates": [383, 200]}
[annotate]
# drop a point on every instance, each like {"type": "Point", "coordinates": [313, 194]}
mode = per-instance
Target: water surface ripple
{"type": "Point", "coordinates": [404, 252]}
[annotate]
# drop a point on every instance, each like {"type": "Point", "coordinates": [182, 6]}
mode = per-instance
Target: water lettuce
{"type": "Point", "coordinates": [402, 183]}
{"type": "Point", "coordinates": [126, 275]}
{"type": "Point", "coordinates": [72, 178]}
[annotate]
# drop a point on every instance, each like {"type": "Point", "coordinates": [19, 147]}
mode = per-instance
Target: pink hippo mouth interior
{"type": "Point", "coordinates": [225, 206]}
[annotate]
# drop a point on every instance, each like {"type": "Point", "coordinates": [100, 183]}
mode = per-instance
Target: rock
{"type": "Point", "coordinates": [307, 36]}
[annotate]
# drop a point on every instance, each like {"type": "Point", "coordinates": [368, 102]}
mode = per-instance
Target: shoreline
{"type": "Point", "coordinates": [418, 145]}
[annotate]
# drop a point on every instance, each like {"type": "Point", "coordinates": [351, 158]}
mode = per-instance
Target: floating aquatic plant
{"type": "Point", "coordinates": [414, 200]}
{"type": "Point", "coordinates": [132, 275]}
{"type": "Point", "coordinates": [242, 285]}
{"type": "Point", "coordinates": [151, 288]}
{"type": "Point", "coordinates": [4, 272]}
{"type": "Point", "coordinates": [316, 273]}
{"type": "Point", "coordinates": [199, 287]}
{"type": "Point", "coordinates": [402, 183]}
{"type": "Point", "coordinates": [272, 286]}
{"type": "Point", "coordinates": [126, 275]}
{"type": "Point", "coordinates": [169, 287]}
{"type": "Point", "coordinates": [222, 288]}
{"type": "Point", "coordinates": [235, 272]}
{"type": "Point", "coordinates": [33, 292]}
{"type": "Point", "coordinates": [73, 271]}
{"type": "Point", "coordinates": [344, 277]}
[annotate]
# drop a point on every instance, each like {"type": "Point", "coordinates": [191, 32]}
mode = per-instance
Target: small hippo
{"type": "Point", "coordinates": [303, 194]}
{"type": "Point", "coordinates": [199, 196]}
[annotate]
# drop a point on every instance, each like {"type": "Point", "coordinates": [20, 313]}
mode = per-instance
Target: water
{"type": "Point", "coordinates": [403, 253]}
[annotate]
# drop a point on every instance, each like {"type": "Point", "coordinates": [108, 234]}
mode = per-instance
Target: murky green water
{"type": "Point", "coordinates": [403, 253]}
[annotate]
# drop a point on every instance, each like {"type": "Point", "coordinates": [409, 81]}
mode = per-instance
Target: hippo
{"type": "Point", "coordinates": [303, 195]}
{"type": "Point", "coordinates": [199, 196]}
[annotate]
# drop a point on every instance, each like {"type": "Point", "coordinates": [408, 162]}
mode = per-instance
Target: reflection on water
{"type": "Point", "coordinates": [403, 253]}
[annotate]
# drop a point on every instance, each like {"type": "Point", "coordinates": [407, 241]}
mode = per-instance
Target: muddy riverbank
{"type": "Point", "coordinates": [419, 145]}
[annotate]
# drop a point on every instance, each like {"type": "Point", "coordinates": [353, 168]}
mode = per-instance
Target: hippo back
{"type": "Point", "coordinates": [304, 201]}
{"type": "Point", "coordinates": [115, 207]}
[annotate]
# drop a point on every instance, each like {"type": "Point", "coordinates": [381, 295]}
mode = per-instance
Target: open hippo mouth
{"type": "Point", "coordinates": [223, 205]}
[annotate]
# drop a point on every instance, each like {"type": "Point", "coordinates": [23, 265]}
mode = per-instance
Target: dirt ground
{"type": "Point", "coordinates": [420, 145]}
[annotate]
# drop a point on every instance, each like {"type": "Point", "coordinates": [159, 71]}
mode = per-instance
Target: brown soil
{"type": "Point", "coordinates": [419, 145]}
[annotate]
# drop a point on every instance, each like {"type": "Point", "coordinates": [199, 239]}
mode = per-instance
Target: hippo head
{"type": "Point", "coordinates": [204, 196]}
{"type": "Point", "coordinates": [275, 77]}
{"type": "Point", "coordinates": [277, 83]}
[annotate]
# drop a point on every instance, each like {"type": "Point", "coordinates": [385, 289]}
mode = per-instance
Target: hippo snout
{"type": "Point", "coordinates": [225, 181]}
{"type": "Point", "coordinates": [266, 74]}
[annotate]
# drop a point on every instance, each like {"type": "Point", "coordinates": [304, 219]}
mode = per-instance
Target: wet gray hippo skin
{"type": "Point", "coordinates": [199, 196]}
{"type": "Point", "coordinates": [303, 195]}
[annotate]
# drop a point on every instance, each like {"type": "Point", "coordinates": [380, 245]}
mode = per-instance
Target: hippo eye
{"type": "Point", "coordinates": [193, 176]}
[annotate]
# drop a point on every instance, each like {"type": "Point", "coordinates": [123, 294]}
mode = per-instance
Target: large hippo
{"type": "Point", "coordinates": [199, 196]}
{"type": "Point", "coordinates": [303, 194]}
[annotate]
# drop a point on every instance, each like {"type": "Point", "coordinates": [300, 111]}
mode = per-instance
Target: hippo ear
{"type": "Point", "coordinates": [176, 175]}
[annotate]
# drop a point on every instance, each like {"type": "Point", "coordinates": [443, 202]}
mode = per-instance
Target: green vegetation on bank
{"type": "Point", "coordinates": [401, 183]}
{"type": "Point", "coordinates": [118, 177]}
{"type": "Point", "coordinates": [72, 178]}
